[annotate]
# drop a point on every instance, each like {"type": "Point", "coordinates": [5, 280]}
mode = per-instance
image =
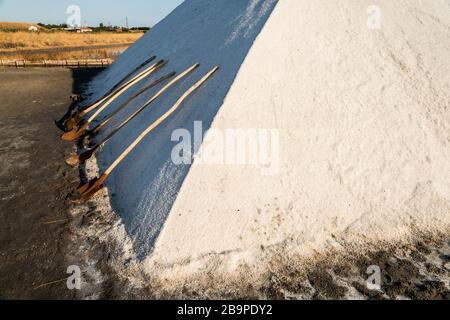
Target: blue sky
{"type": "Point", "coordinates": [139, 12]}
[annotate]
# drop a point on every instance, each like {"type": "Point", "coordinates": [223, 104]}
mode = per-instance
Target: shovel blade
{"type": "Point", "coordinates": [74, 120]}
{"type": "Point", "coordinates": [72, 135]}
{"type": "Point", "coordinates": [75, 134]}
{"type": "Point", "coordinates": [70, 124]}
{"type": "Point", "coordinates": [91, 192]}
{"type": "Point", "coordinates": [89, 189]}
{"type": "Point", "coordinates": [73, 160]}
{"type": "Point", "coordinates": [83, 188]}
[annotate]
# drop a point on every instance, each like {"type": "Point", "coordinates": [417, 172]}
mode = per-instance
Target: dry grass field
{"type": "Point", "coordinates": [111, 53]}
{"type": "Point", "coordinates": [24, 40]}
{"type": "Point", "coordinates": [17, 26]}
{"type": "Point", "coordinates": [17, 43]}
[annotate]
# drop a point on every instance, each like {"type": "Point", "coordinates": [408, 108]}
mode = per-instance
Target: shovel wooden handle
{"type": "Point", "coordinates": [117, 87]}
{"type": "Point", "coordinates": [159, 121]}
{"type": "Point", "coordinates": [148, 102]}
{"type": "Point", "coordinates": [149, 71]}
{"type": "Point", "coordinates": [115, 92]}
{"type": "Point", "coordinates": [109, 93]}
{"type": "Point", "coordinates": [130, 74]}
{"type": "Point", "coordinates": [125, 104]}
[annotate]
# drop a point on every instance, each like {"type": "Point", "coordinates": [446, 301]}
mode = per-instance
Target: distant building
{"type": "Point", "coordinates": [83, 30]}
{"type": "Point", "coordinates": [33, 29]}
{"type": "Point", "coordinates": [79, 29]}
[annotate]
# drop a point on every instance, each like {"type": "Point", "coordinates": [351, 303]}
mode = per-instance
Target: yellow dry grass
{"type": "Point", "coordinates": [69, 55]}
{"type": "Point", "coordinates": [10, 41]}
{"type": "Point", "coordinates": [17, 26]}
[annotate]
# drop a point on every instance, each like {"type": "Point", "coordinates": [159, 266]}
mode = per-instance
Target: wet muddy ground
{"type": "Point", "coordinates": [35, 185]}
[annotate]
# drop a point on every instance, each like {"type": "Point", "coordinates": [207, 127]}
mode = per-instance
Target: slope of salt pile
{"type": "Point", "coordinates": [209, 32]}
{"type": "Point", "coordinates": [364, 124]}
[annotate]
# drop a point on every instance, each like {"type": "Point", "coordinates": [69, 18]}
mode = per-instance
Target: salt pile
{"type": "Point", "coordinates": [360, 116]}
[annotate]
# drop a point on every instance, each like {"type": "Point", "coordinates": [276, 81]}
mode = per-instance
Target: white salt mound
{"type": "Point", "coordinates": [212, 33]}
{"type": "Point", "coordinates": [363, 120]}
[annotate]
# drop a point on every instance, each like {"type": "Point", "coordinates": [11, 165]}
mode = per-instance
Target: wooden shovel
{"type": "Point", "coordinates": [74, 160]}
{"type": "Point", "coordinates": [97, 128]}
{"type": "Point", "coordinates": [78, 116]}
{"type": "Point", "coordinates": [64, 121]}
{"type": "Point", "coordinates": [80, 129]}
{"type": "Point", "coordinates": [91, 188]}
{"type": "Point", "coordinates": [130, 74]}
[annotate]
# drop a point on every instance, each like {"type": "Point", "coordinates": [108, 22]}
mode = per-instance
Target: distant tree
{"type": "Point", "coordinates": [53, 26]}
{"type": "Point", "coordinates": [140, 28]}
